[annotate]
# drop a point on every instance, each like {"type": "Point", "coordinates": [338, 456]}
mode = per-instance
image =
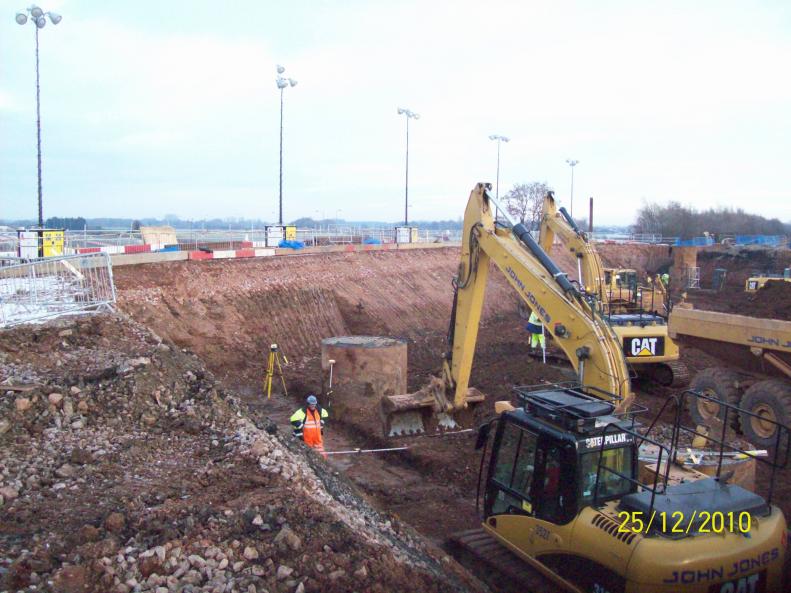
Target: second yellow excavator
{"type": "Point", "coordinates": [636, 317]}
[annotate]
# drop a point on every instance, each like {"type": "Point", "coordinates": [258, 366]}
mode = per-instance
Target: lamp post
{"type": "Point", "coordinates": [38, 20]}
{"type": "Point", "coordinates": [572, 163]}
{"type": "Point", "coordinates": [409, 115]}
{"type": "Point", "coordinates": [499, 139]}
{"type": "Point", "coordinates": [282, 83]}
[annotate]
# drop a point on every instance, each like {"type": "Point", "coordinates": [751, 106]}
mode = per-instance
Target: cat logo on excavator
{"type": "Point", "coordinates": [644, 346]}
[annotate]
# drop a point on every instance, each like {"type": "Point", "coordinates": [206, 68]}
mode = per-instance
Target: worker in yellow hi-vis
{"type": "Point", "coordinates": [536, 329]}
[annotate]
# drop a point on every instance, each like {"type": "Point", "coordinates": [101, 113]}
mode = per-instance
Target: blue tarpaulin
{"type": "Point", "coordinates": [291, 244]}
{"type": "Point", "coordinates": [758, 239]}
{"type": "Point", "coordinates": [695, 242]}
{"type": "Point", "coordinates": [371, 241]}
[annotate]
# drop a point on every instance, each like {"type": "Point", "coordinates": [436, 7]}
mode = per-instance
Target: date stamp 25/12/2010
{"type": "Point", "coordinates": [679, 522]}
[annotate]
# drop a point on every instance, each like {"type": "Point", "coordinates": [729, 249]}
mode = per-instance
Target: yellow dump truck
{"type": "Point", "coordinates": [757, 377]}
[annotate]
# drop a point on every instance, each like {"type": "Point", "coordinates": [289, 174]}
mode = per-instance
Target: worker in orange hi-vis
{"type": "Point", "coordinates": [308, 422]}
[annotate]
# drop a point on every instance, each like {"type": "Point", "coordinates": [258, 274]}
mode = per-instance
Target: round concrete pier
{"type": "Point", "coordinates": [365, 369]}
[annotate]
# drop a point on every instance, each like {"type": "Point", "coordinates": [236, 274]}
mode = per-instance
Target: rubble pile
{"type": "Point", "coordinates": [125, 467]}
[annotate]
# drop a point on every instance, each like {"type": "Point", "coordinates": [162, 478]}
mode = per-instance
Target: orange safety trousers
{"type": "Point", "coordinates": [311, 430]}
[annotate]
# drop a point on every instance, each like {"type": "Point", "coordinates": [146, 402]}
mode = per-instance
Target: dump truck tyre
{"type": "Point", "coordinates": [770, 399]}
{"type": "Point", "coordinates": [717, 382]}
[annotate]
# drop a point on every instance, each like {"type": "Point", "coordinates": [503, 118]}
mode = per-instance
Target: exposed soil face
{"type": "Point", "coordinates": [741, 263]}
{"type": "Point", "coordinates": [298, 301]}
{"type": "Point", "coordinates": [773, 301]}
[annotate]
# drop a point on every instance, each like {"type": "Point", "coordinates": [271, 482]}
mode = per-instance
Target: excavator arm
{"type": "Point", "coordinates": [554, 221]}
{"type": "Point", "coordinates": [573, 321]}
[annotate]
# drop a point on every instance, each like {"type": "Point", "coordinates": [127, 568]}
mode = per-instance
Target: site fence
{"type": "Point", "coordinates": [651, 238]}
{"type": "Point", "coordinates": [220, 239]}
{"type": "Point", "coordinates": [36, 290]}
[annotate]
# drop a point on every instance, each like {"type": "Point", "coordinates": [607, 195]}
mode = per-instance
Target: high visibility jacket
{"type": "Point", "coordinates": [308, 424]}
{"type": "Point", "coordinates": [534, 325]}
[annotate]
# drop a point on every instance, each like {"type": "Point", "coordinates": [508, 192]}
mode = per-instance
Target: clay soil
{"type": "Point", "coordinates": [229, 312]}
{"type": "Point", "coordinates": [773, 301]}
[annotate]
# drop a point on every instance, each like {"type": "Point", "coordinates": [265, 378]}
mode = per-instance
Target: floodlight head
{"type": "Point", "coordinates": [415, 115]}
{"type": "Point", "coordinates": [493, 137]}
{"type": "Point", "coordinates": [35, 11]}
{"type": "Point", "coordinates": [401, 111]}
{"type": "Point", "coordinates": [54, 17]}
{"type": "Point", "coordinates": [21, 18]}
{"type": "Point", "coordinates": [292, 82]}
{"type": "Point", "coordinates": [280, 69]}
{"type": "Point", "coordinates": [41, 22]}
{"type": "Point", "coordinates": [281, 83]}
{"type": "Point", "coordinates": [504, 139]}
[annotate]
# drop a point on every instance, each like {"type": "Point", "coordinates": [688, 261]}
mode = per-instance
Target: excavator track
{"type": "Point", "coordinates": [505, 572]}
{"type": "Point", "coordinates": [667, 374]}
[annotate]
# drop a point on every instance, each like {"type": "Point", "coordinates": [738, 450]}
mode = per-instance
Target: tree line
{"type": "Point", "coordinates": [675, 220]}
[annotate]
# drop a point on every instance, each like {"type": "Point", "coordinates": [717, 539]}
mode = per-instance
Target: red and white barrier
{"type": "Point", "coordinates": [113, 249]}
{"type": "Point", "coordinates": [231, 254]}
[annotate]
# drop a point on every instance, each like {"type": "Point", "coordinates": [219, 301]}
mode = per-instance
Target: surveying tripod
{"type": "Point", "coordinates": [274, 359]}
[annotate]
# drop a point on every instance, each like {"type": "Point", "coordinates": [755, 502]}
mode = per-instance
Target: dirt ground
{"type": "Point", "coordinates": [229, 313]}
{"type": "Point", "coordinates": [773, 301]}
{"type": "Point", "coordinates": [741, 263]}
{"type": "Point", "coordinates": [224, 315]}
{"type": "Point", "coordinates": [125, 466]}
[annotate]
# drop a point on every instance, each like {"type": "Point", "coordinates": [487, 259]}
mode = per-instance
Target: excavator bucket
{"type": "Point", "coordinates": [426, 410]}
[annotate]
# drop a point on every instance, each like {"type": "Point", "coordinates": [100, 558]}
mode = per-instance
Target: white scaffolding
{"type": "Point", "coordinates": [40, 289]}
{"type": "Point", "coordinates": [692, 277]}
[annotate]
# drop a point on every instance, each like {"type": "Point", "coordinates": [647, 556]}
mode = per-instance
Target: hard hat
{"type": "Point", "coordinates": [312, 401]}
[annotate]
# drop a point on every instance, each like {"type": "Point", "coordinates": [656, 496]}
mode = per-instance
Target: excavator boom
{"type": "Point", "coordinates": [574, 322]}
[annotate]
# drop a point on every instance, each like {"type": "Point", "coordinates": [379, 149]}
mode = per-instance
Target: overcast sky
{"type": "Point", "coordinates": [153, 107]}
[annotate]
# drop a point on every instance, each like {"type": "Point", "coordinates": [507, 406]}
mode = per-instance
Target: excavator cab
{"type": "Point", "coordinates": [565, 489]}
{"type": "Point", "coordinates": [551, 458]}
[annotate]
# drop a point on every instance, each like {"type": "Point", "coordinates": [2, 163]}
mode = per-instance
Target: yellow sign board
{"type": "Point", "coordinates": [52, 243]}
{"type": "Point", "coordinates": [291, 233]}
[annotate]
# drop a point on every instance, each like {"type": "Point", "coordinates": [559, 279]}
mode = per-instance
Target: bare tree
{"type": "Point", "coordinates": [525, 202]}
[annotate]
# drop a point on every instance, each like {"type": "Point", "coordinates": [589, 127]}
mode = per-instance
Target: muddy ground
{"type": "Point", "coordinates": [227, 313]}
{"type": "Point", "coordinates": [231, 311]}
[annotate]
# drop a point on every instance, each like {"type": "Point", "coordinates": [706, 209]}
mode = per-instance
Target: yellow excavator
{"type": "Point", "coordinates": [562, 486]}
{"type": "Point", "coordinates": [641, 329]}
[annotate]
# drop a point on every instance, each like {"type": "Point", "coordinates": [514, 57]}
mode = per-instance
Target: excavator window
{"type": "Point", "coordinates": [610, 484]}
{"type": "Point", "coordinates": [510, 486]}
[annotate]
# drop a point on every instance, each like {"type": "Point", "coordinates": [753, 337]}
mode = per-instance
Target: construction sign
{"type": "Point", "coordinates": [34, 243]}
{"type": "Point", "coordinates": [644, 346]}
